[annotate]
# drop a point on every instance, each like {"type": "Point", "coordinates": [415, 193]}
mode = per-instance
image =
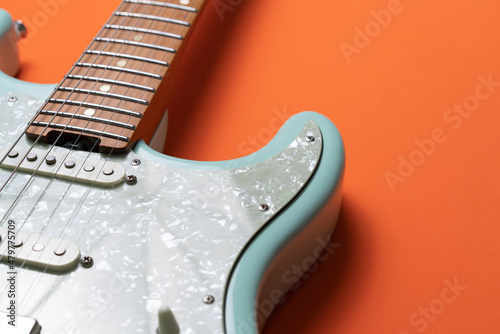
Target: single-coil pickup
{"type": "Point", "coordinates": [38, 251]}
{"type": "Point", "coordinates": [61, 166]}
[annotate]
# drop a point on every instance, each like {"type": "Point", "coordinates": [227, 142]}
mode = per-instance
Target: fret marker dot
{"type": "Point", "coordinates": [105, 88]}
{"type": "Point", "coordinates": [89, 112]}
{"type": "Point", "coordinates": [138, 38]}
{"type": "Point", "coordinates": [184, 2]}
{"type": "Point", "coordinates": [121, 63]}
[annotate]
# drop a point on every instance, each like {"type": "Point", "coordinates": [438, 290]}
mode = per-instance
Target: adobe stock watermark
{"type": "Point", "coordinates": [452, 117]}
{"type": "Point", "coordinates": [40, 19]}
{"type": "Point", "coordinates": [225, 6]}
{"type": "Point", "coordinates": [372, 29]}
{"type": "Point", "coordinates": [264, 135]}
{"type": "Point", "coordinates": [293, 276]}
{"type": "Point", "coordinates": [425, 316]}
{"type": "Point", "coordinates": [102, 298]}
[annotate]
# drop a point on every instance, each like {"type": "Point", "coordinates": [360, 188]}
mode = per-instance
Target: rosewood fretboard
{"type": "Point", "coordinates": [120, 76]}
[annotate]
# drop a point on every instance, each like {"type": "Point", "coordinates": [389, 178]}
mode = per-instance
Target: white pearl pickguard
{"type": "Point", "coordinates": [167, 241]}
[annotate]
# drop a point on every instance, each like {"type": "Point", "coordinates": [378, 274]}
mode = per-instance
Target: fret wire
{"type": "Point", "coordinates": [120, 69]}
{"type": "Point", "coordinates": [163, 4]}
{"type": "Point", "coordinates": [146, 31]}
{"type": "Point", "coordinates": [124, 41]}
{"type": "Point", "coordinates": [88, 118]}
{"type": "Point", "coordinates": [123, 55]}
{"type": "Point", "coordinates": [73, 128]}
{"type": "Point", "coordinates": [110, 81]}
{"type": "Point", "coordinates": [80, 129]}
{"type": "Point", "coordinates": [105, 94]}
{"type": "Point", "coordinates": [143, 58]}
{"type": "Point", "coordinates": [98, 106]}
{"type": "Point", "coordinates": [153, 17]}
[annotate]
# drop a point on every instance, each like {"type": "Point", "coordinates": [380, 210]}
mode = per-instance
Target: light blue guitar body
{"type": "Point", "coordinates": [184, 247]}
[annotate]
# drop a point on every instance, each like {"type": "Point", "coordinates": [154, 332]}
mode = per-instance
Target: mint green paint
{"type": "Point", "coordinates": [244, 283]}
{"type": "Point", "coordinates": [285, 136]}
{"type": "Point", "coordinates": [5, 22]}
{"type": "Point", "coordinates": [9, 84]}
{"type": "Point", "coordinates": [12, 85]}
{"type": "Point", "coordinates": [248, 273]}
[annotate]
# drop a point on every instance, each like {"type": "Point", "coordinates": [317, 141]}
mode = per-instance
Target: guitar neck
{"type": "Point", "coordinates": [116, 92]}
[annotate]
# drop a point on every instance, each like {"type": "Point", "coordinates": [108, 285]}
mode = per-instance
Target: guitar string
{"type": "Point", "coordinates": [32, 175]}
{"type": "Point", "coordinates": [49, 150]}
{"type": "Point", "coordinates": [69, 151]}
{"type": "Point", "coordinates": [70, 219]}
{"type": "Point", "coordinates": [66, 228]}
{"type": "Point", "coordinates": [90, 219]}
{"type": "Point", "coordinates": [13, 173]}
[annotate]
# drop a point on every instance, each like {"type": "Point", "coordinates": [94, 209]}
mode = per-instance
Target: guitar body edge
{"type": "Point", "coordinates": [295, 238]}
{"type": "Point", "coordinates": [9, 63]}
{"type": "Point", "coordinates": [262, 273]}
{"type": "Point", "coordinates": [285, 249]}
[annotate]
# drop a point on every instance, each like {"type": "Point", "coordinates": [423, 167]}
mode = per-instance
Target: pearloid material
{"type": "Point", "coordinates": [167, 241]}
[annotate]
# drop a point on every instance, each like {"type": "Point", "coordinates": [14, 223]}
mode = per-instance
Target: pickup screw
{"type": "Point", "coordinates": [89, 168]}
{"type": "Point", "coordinates": [108, 171]}
{"type": "Point", "coordinates": [13, 99]}
{"type": "Point", "coordinates": [131, 179]}
{"type": "Point", "coordinates": [32, 156]}
{"type": "Point", "coordinates": [69, 164]}
{"type": "Point", "coordinates": [208, 299]}
{"type": "Point", "coordinates": [50, 160]}
{"type": "Point", "coordinates": [87, 261]}
{"type": "Point", "coordinates": [263, 207]}
{"type": "Point", "coordinates": [310, 139]}
{"type": "Point", "coordinates": [135, 162]}
{"type": "Point", "coordinates": [13, 154]}
{"type": "Point", "coordinates": [60, 251]}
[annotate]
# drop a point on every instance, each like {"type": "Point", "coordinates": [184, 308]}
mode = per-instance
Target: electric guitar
{"type": "Point", "coordinates": [100, 233]}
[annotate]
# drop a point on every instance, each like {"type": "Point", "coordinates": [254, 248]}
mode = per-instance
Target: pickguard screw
{"type": "Point", "coordinates": [13, 99]}
{"type": "Point", "coordinates": [87, 262]}
{"type": "Point", "coordinates": [263, 207]}
{"type": "Point", "coordinates": [135, 162]}
{"type": "Point", "coordinates": [208, 299]}
{"type": "Point", "coordinates": [131, 179]}
{"type": "Point", "coordinates": [310, 139]}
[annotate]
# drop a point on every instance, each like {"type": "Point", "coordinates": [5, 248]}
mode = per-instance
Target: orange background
{"type": "Point", "coordinates": [397, 246]}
